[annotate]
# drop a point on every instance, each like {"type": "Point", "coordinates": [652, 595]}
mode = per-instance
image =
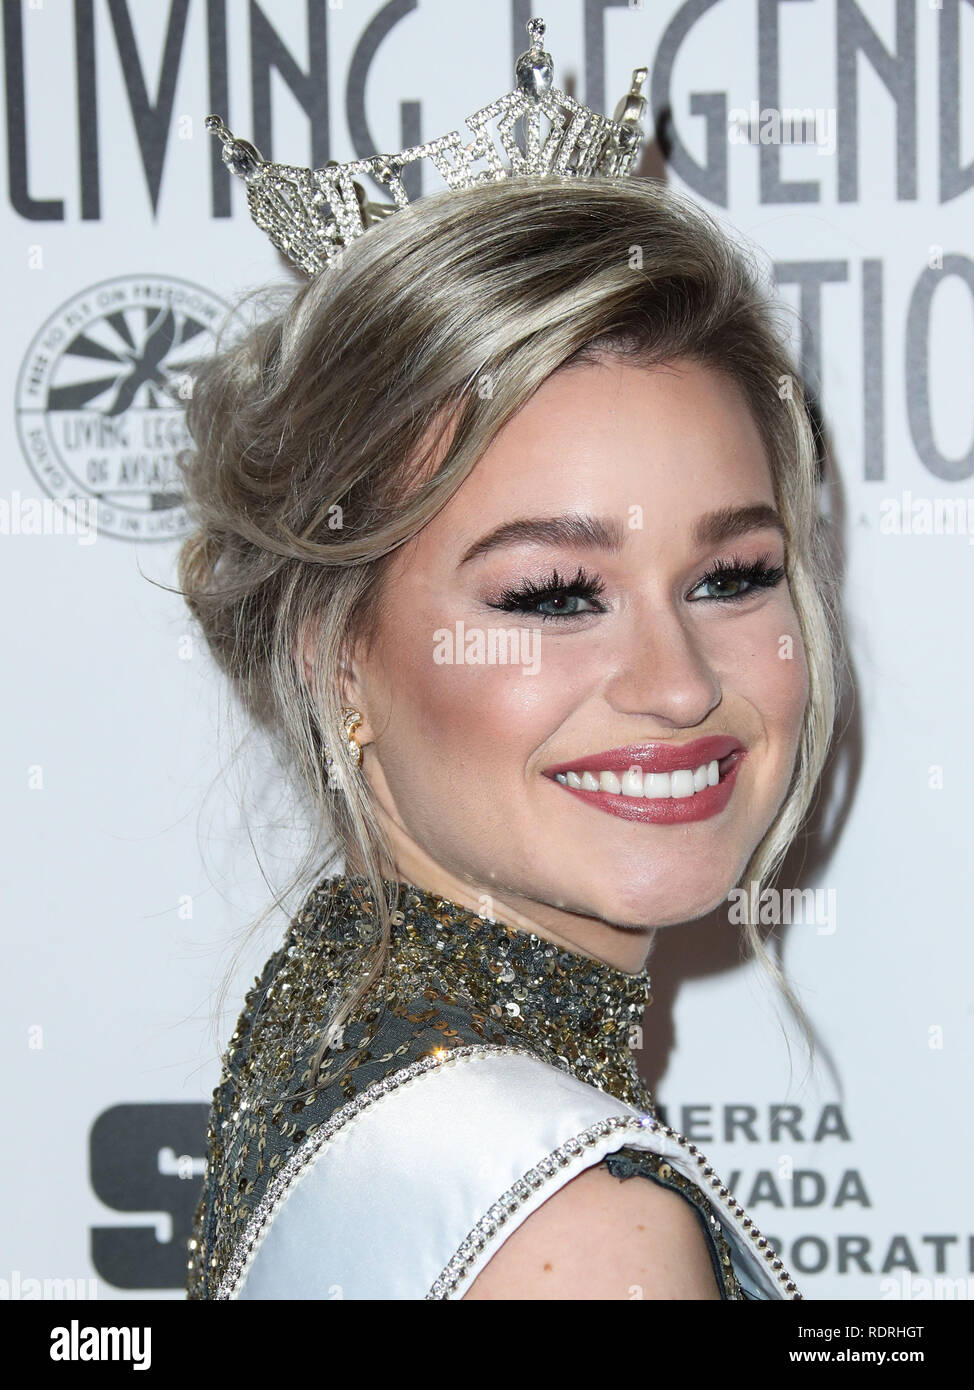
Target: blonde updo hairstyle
{"type": "Point", "coordinates": [332, 410]}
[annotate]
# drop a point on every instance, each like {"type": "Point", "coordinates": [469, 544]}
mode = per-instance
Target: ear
{"type": "Point", "coordinates": [350, 686]}
{"type": "Point", "coordinates": [354, 696]}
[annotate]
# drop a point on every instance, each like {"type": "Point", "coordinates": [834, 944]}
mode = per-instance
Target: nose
{"type": "Point", "coordinates": [662, 672]}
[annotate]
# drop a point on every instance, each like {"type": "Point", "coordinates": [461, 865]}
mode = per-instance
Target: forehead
{"type": "Point", "coordinates": [675, 440]}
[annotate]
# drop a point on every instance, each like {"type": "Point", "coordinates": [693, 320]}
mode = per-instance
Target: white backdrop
{"type": "Point", "coordinates": [129, 873]}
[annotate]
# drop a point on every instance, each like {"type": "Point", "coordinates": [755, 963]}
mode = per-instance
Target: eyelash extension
{"type": "Point", "coordinates": [526, 598]}
{"type": "Point", "coordinates": [758, 574]}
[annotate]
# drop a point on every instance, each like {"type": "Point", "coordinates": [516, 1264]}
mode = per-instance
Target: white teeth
{"type": "Point", "coordinates": [682, 783]}
{"type": "Point", "coordinates": [632, 782]}
{"type": "Point", "coordinates": [652, 785]}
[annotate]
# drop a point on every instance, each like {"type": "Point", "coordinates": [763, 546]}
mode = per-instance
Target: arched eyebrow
{"type": "Point", "coordinates": [607, 533]}
{"type": "Point", "coordinates": [727, 523]}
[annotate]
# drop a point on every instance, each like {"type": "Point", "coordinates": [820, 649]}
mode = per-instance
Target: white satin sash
{"type": "Point", "coordinates": [411, 1187]}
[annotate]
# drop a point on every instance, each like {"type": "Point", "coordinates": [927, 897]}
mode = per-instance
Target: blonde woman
{"type": "Point", "coordinates": [508, 536]}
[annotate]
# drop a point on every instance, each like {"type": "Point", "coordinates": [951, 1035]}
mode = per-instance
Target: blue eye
{"type": "Point", "coordinates": [565, 605]}
{"type": "Point", "coordinates": [563, 596]}
{"type": "Point", "coordinates": [741, 577]}
{"type": "Point", "coordinates": [555, 597]}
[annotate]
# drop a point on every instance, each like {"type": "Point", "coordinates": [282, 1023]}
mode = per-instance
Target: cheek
{"type": "Point", "coordinates": [459, 716]}
{"type": "Point", "coordinates": [763, 660]}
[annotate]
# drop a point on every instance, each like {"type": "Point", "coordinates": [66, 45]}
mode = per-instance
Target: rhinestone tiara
{"type": "Point", "coordinates": [311, 215]}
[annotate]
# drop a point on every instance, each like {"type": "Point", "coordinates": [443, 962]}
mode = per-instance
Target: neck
{"type": "Point", "coordinates": [516, 986]}
{"type": "Point", "coordinates": [622, 948]}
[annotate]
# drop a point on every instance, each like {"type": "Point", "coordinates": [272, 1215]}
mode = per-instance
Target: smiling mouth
{"type": "Point", "coordinates": [638, 783]}
{"type": "Point", "coordinates": [693, 786]}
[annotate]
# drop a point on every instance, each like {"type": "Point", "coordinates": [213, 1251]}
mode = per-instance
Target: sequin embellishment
{"type": "Point", "coordinates": [455, 984]}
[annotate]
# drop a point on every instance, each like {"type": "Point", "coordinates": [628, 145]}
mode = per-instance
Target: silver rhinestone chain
{"type": "Point", "coordinates": [458, 1268]}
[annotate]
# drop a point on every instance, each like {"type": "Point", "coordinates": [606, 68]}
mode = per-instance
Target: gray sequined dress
{"type": "Point", "coordinates": [484, 1054]}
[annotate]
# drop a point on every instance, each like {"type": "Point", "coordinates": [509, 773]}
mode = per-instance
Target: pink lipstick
{"type": "Point", "coordinates": [650, 758]}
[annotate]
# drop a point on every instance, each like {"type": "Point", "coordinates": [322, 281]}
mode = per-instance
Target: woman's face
{"type": "Point", "coordinates": [510, 655]}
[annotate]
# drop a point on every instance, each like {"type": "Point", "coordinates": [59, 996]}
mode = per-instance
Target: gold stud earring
{"type": "Point", "coordinates": [351, 719]}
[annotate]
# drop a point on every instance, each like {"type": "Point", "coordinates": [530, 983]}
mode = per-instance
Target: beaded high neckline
{"type": "Point", "coordinates": [577, 1012]}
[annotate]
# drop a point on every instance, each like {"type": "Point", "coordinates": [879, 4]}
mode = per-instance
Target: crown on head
{"type": "Point", "coordinates": [312, 214]}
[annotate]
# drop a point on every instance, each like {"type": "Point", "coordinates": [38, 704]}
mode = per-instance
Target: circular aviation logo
{"type": "Point", "coordinates": [100, 400]}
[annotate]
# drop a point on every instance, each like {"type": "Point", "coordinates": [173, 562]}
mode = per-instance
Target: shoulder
{"type": "Point", "coordinates": [599, 1238]}
{"type": "Point", "coordinates": [502, 1130]}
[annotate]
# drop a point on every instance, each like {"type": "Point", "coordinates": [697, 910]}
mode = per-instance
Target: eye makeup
{"type": "Point", "coordinates": [744, 577]}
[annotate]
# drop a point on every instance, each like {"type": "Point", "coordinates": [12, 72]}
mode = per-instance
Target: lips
{"type": "Point", "coordinates": [653, 757]}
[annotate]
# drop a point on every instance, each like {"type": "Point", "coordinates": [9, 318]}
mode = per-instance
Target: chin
{"type": "Point", "coordinates": [659, 900]}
